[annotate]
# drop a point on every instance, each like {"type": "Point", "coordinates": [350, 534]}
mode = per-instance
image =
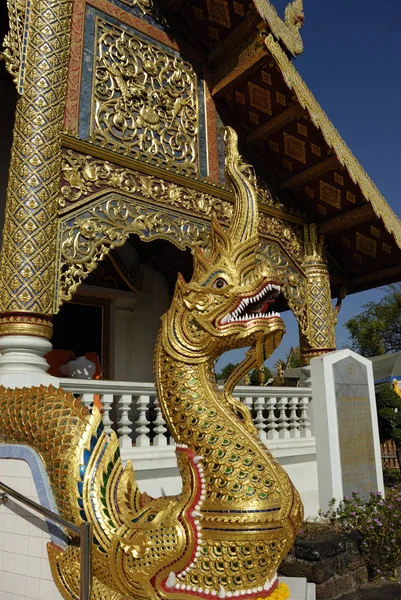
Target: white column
{"type": "Point", "coordinates": [22, 363]}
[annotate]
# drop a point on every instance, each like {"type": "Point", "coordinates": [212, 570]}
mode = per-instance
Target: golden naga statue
{"type": "Point", "coordinates": [238, 513]}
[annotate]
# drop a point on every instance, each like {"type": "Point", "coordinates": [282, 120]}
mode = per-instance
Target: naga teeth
{"type": "Point", "coordinates": [236, 314]}
{"type": "Point", "coordinates": [222, 592]}
{"type": "Point", "coordinates": [171, 580]}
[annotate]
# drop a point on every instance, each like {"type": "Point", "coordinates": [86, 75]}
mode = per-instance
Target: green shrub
{"type": "Point", "coordinates": [391, 477]}
{"type": "Point", "coordinates": [379, 521]}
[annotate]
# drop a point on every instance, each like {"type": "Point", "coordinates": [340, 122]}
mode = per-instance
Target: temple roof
{"type": "Point", "coordinates": [257, 89]}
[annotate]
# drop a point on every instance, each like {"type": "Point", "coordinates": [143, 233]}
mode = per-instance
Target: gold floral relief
{"type": "Point", "coordinates": [27, 269]}
{"type": "Point", "coordinates": [82, 176]}
{"type": "Point", "coordinates": [88, 237]}
{"type": "Point", "coordinates": [320, 337]}
{"type": "Point", "coordinates": [15, 39]}
{"type": "Point", "coordinates": [293, 283]}
{"type": "Point", "coordinates": [145, 101]}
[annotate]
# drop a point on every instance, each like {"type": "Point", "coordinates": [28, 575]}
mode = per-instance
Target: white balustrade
{"type": "Point", "coordinates": [284, 426]}
{"type": "Point", "coordinates": [87, 400]}
{"type": "Point", "coordinates": [305, 423]}
{"type": "Point", "coordinates": [272, 424]}
{"type": "Point", "coordinates": [133, 410]}
{"type": "Point", "coordinates": [160, 428]}
{"type": "Point", "coordinates": [260, 421]}
{"type": "Point", "coordinates": [143, 403]}
{"type": "Point", "coordinates": [293, 418]}
{"type": "Point", "coordinates": [124, 404]}
{"type": "Point", "coordinates": [107, 401]}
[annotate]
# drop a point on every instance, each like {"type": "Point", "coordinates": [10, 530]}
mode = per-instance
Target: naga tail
{"type": "Point", "coordinates": [80, 460]}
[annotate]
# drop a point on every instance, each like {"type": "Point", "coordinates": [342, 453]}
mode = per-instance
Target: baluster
{"type": "Point", "coordinates": [305, 424]}
{"type": "Point", "coordinates": [248, 401]}
{"type": "Point", "coordinates": [260, 421]}
{"type": "Point", "coordinates": [124, 403]}
{"type": "Point", "coordinates": [107, 401]}
{"type": "Point", "coordinates": [294, 422]}
{"type": "Point", "coordinates": [143, 430]}
{"type": "Point", "coordinates": [160, 426]}
{"type": "Point", "coordinates": [272, 425]}
{"type": "Point", "coordinates": [284, 432]}
{"type": "Point", "coordinates": [87, 400]}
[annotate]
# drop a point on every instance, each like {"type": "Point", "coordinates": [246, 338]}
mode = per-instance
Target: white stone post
{"type": "Point", "coordinates": [345, 426]}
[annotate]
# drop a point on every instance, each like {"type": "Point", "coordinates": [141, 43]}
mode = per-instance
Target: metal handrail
{"type": "Point", "coordinates": [84, 531]}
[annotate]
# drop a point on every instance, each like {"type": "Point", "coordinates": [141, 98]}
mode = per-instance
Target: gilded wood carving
{"type": "Point", "coordinates": [30, 232]}
{"type": "Point", "coordinates": [145, 101]}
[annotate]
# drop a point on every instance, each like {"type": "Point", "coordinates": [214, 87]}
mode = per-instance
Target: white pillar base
{"type": "Point", "coordinates": [22, 363]}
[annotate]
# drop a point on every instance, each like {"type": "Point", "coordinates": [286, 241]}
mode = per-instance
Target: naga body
{"type": "Point", "coordinates": [238, 513]}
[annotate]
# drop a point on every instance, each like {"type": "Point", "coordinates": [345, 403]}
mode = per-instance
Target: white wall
{"type": "Point", "coordinates": [24, 565]}
{"type": "Point", "coordinates": [136, 326]}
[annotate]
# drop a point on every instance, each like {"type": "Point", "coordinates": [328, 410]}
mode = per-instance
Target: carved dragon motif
{"type": "Point", "coordinates": [238, 513]}
{"type": "Point", "coordinates": [288, 30]}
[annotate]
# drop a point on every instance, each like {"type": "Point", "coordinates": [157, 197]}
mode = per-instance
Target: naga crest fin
{"type": "Point", "coordinates": [244, 225]}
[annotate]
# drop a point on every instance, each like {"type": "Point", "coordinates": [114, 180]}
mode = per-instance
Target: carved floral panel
{"type": "Point", "coordinates": [145, 101]}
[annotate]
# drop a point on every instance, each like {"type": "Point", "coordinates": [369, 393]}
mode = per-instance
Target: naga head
{"type": "Point", "coordinates": [229, 302]}
{"type": "Point", "coordinates": [294, 14]}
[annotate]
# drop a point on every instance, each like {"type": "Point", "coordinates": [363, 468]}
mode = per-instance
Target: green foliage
{"type": "Point", "coordinates": [255, 376]}
{"type": "Point", "coordinates": [379, 521]}
{"type": "Point", "coordinates": [226, 371]}
{"type": "Point", "coordinates": [377, 330]}
{"type": "Point", "coordinates": [389, 411]}
{"type": "Point", "coordinates": [391, 477]}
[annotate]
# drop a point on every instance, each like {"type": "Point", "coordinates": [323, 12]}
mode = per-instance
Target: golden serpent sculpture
{"type": "Point", "coordinates": [238, 513]}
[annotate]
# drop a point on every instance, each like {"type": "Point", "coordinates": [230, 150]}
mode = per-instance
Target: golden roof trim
{"type": "Point", "coordinates": [332, 137]}
{"type": "Point", "coordinates": [288, 30]}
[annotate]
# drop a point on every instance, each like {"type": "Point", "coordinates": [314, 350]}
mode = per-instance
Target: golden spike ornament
{"type": "Point", "coordinates": [238, 513]}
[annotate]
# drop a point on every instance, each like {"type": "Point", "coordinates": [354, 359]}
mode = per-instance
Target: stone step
{"type": "Point", "coordinates": [300, 589]}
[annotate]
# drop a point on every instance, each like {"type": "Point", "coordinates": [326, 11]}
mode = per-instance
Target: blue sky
{"type": "Point", "coordinates": [352, 64]}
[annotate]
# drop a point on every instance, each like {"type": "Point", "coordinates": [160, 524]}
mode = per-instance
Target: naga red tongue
{"type": "Point", "coordinates": [265, 306]}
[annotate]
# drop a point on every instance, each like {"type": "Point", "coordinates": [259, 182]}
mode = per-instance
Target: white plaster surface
{"type": "Point", "coordinates": [136, 329]}
{"type": "Point", "coordinates": [24, 566]}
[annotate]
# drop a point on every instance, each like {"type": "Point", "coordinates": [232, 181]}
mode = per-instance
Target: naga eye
{"type": "Point", "coordinates": [219, 283]}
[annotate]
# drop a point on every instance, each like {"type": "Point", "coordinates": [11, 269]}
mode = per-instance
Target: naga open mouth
{"type": "Point", "coordinates": [254, 307]}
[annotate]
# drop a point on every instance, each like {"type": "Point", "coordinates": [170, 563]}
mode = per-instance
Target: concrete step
{"type": "Point", "coordinates": [300, 589]}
